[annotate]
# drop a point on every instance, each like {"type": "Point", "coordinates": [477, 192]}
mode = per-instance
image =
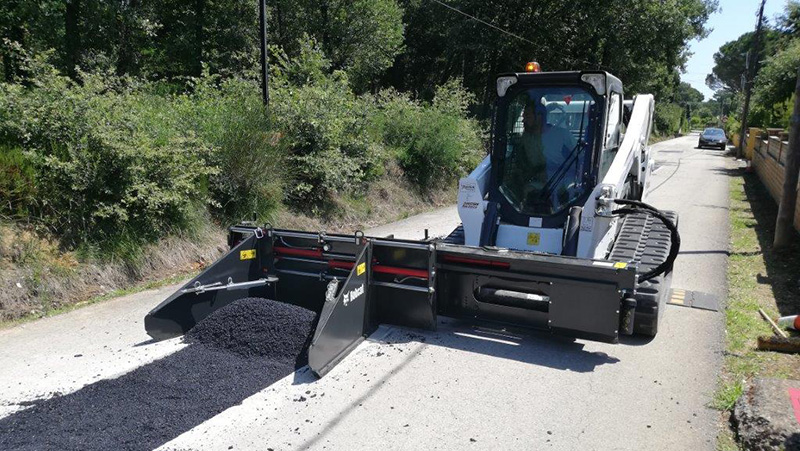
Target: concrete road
{"type": "Point", "coordinates": [459, 387]}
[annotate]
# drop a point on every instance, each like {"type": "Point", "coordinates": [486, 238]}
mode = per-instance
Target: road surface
{"type": "Point", "coordinates": [459, 387]}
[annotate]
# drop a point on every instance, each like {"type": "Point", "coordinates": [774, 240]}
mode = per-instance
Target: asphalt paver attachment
{"type": "Point", "coordinates": [354, 283]}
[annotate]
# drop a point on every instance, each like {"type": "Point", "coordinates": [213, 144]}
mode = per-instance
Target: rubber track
{"type": "Point", "coordinates": [455, 237]}
{"type": "Point", "coordinates": [645, 241]}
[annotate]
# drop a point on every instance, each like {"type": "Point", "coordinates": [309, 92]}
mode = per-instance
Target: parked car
{"type": "Point", "coordinates": [713, 137]}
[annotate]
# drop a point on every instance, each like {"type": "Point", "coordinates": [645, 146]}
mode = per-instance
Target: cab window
{"type": "Point", "coordinates": [612, 136]}
{"type": "Point", "coordinates": [546, 161]}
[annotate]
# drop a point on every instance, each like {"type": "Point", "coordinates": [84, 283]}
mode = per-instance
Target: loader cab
{"type": "Point", "coordinates": [555, 135]}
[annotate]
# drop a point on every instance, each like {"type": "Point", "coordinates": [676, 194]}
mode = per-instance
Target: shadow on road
{"type": "Point", "coordinates": [708, 252]}
{"type": "Point", "coordinates": [526, 346]}
{"type": "Point", "coordinates": [729, 172]}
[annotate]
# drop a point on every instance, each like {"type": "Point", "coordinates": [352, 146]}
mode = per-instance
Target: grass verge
{"type": "Point", "coordinates": [758, 277]}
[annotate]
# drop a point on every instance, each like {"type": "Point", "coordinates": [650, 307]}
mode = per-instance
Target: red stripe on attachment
{"type": "Point", "coordinates": [397, 271]}
{"type": "Point", "coordinates": [476, 261]}
{"type": "Point", "coordinates": [316, 253]}
{"type": "Point", "coordinates": [340, 264]}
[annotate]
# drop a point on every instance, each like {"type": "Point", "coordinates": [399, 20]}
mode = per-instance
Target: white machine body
{"type": "Point", "coordinates": [630, 169]}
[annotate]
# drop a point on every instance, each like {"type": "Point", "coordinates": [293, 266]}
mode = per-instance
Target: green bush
{"type": "Point", "coordinates": [229, 116]}
{"type": "Point", "coordinates": [17, 183]}
{"type": "Point", "coordinates": [733, 126]}
{"type": "Point", "coordinates": [434, 143]}
{"type": "Point", "coordinates": [116, 160]}
{"type": "Point", "coordinates": [106, 162]}
{"type": "Point", "coordinates": [112, 162]}
{"type": "Point", "coordinates": [668, 118]}
{"type": "Point", "coordinates": [324, 128]}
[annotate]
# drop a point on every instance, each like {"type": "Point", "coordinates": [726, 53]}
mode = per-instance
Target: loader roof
{"type": "Point", "coordinates": [564, 77]}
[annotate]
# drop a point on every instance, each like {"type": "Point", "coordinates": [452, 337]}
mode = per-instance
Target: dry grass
{"type": "Point", "coordinates": [37, 278]}
{"type": "Point", "coordinates": [389, 199]}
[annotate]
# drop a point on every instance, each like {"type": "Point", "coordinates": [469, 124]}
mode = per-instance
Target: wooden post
{"type": "Point", "coordinates": [749, 74]}
{"type": "Point", "coordinates": [785, 223]}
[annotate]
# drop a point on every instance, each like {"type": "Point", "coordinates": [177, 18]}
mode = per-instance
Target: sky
{"type": "Point", "coordinates": [734, 18]}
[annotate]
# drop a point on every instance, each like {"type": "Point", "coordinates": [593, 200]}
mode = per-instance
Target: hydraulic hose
{"type": "Point", "coordinates": [636, 206]}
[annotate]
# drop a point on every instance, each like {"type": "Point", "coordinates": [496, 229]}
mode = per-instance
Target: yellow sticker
{"type": "Point", "coordinates": [247, 255]}
{"type": "Point", "coordinates": [620, 265]}
{"type": "Point", "coordinates": [533, 239]}
{"type": "Point", "coordinates": [361, 268]}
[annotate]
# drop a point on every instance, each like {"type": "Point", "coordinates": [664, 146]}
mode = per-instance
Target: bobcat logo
{"type": "Point", "coordinates": [353, 294]}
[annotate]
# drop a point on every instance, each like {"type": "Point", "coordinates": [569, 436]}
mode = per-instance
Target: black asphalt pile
{"type": "Point", "coordinates": [256, 327]}
{"type": "Point", "coordinates": [155, 403]}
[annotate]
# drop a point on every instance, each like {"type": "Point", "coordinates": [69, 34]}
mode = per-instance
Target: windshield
{"type": "Point", "coordinates": [546, 163]}
{"type": "Point", "coordinates": [715, 132]}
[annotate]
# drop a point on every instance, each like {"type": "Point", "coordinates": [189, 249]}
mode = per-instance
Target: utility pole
{"type": "Point", "coordinates": [262, 29]}
{"type": "Point", "coordinates": [786, 210]}
{"type": "Point", "coordinates": [748, 79]}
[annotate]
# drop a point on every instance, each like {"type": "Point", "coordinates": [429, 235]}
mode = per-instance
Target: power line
{"type": "Point", "coordinates": [484, 22]}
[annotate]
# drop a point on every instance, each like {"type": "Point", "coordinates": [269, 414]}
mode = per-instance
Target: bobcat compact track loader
{"type": "Point", "coordinates": [554, 236]}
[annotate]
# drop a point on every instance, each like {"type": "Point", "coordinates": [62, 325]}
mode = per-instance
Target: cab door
{"type": "Point", "coordinates": [613, 133]}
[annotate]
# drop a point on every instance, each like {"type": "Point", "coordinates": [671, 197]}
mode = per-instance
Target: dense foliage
{"type": "Point", "coordinates": [731, 58]}
{"type": "Point", "coordinates": [423, 42]}
{"type": "Point", "coordinates": [641, 42]}
{"type": "Point", "coordinates": [110, 157]}
{"type": "Point", "coordinates": [139, 118]}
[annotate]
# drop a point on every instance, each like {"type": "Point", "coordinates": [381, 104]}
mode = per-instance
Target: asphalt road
{"type": "Point", "coordinates": [459, 387]}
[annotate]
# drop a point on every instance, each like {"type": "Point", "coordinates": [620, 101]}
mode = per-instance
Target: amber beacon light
{"type": "Point", "coordinates": [533, 66]}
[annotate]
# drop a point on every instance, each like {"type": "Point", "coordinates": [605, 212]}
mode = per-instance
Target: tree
{"type": "Point", "coordinates": [425, 44]}
{"type": "Point", "coordinates": [789, 22]}
{"type": "Point", "coordinates": [361, 37]}
{"type": "Point", "coordinates": [730, 59]}
{"type": "Point", "coordinates": [775, 82]}
{"type": "Point", "coordinates": [643, 43]}
{"type": "Point", "coordinates": [221, 35]}
{"type": "Point", "coordinates": [686, 94]}
{"type": "Point", "coordinates": [72, 35]}
{"type": "Point", "coordinates": [28, 26]}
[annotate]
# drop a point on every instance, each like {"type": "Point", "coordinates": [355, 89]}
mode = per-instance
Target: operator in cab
{"type": "Point", "coordinates": [544, 147]}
